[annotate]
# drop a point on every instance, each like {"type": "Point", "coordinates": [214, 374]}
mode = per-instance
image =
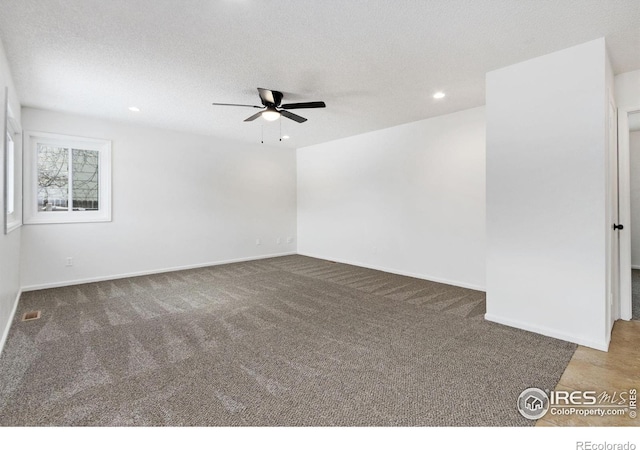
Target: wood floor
{"type": "Point", "coordinates": [615, 371]}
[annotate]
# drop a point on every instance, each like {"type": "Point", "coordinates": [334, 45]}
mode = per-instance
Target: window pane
{"type": "Point", "coordinates": [53, 178]}
{"type": "Point", "coordinates": [85, 180]}
{"type": "Point", "coordinates": [10, 175]}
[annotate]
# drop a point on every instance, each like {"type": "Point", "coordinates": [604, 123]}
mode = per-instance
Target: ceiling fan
{"type": "Point", "coordinates": [273, 109]}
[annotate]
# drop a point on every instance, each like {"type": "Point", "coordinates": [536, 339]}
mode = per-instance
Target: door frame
{"type": "Point", "coordinates": [623, 309]}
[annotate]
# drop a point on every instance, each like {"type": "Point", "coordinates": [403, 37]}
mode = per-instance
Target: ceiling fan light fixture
{"type": "Point", "coordinates": [270, 114]}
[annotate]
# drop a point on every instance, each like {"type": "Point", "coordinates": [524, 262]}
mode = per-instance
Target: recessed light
{"type": "Point", "coordinates": [438, 95]}
{"type": "Point", "coordinates": [285, 136]}
{"type": "Point", "coordinates": [134, 109]}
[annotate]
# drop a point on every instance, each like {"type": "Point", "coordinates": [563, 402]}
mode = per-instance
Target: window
{"type": "Point", "coordinates": [68, 179]}
{"type": "Point", "coordinates": [13, 170]}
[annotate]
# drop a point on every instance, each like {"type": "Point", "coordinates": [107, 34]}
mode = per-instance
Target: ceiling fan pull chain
{"type": "Point", "coordinates": [281, 131]}
{"type": "Point", "coordinates": [262, 136]}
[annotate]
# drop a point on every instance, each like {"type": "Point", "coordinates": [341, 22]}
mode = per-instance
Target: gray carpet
{"type": "Point", "coordinates": [283, 341]}
{"type": "Point", "coordinates": [635, 294]}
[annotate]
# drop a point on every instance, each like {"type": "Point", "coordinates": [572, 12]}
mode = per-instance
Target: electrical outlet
{"type": "Point", "coordinates": [258, 242]}
{"type": "Point", "coordinates": [289, 240]}
{"type": "Point", "coordinates": [279, 241]}
{"type": "Point", "coordinates": [69, 262]}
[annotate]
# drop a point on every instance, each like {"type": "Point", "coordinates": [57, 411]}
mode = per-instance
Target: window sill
{"type": "Point", "coordinates": [44, 218]}
{"type": "Point", "coordinates": [11, 226]}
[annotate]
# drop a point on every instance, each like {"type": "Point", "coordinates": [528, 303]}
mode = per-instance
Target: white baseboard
{"type": "Point", "coordinates": [474, 287]}
{"type": "Point", "coordinates": [603, 346]}
{"type": "Point", "coordinates": [5, 333]}
{"type": "Point", "coordinates": [36, 287]}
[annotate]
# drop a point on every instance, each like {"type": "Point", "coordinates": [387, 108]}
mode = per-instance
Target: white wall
{"type": "Point", "coordinates": [178, 200]}
{"type": "Point", "coordinates": [612, 237]}
{"type": "Point", "coordinates": [408, 199]}
{"type": "Point", "coordinates": [628, 89]}
{"type": "Point", "coordinates": [9, 244]}
{"type": "Point", "coordinates": [634, 154]}
{"type": "Point", "coordinates": [546, 195]}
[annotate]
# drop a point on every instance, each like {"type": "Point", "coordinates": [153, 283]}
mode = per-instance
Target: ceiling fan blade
{"type": "Point", "coordinates": [304, 105]}
{"type": "Point", "coordinates": [254, 117]}
{"type": "Point", "coordinates": [235, 104]}
{"type": "Point", "coordinates": [266, 96]}
{"type": "Point", "coordinates": [270, 97]}
{"type": "Point", "coordinates": [293, 116]}
{"type": "Point", "coordinates": [277, 96]}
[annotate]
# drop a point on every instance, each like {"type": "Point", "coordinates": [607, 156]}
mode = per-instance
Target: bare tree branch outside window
{"type": "Point", "coordinates": [54, 176]}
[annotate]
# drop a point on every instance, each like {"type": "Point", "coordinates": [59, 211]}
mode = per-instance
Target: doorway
{"type": "Point", "coordinates": [629, 204]}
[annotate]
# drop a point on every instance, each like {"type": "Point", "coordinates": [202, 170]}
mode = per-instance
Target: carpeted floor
{"type": "Point", "coordinates": [283, 341]}
{"type": "Point", "coordinates": [635, 294]}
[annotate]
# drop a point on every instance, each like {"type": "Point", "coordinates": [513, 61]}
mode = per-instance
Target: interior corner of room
{"type": "Point", "coordinates": [521, 209]}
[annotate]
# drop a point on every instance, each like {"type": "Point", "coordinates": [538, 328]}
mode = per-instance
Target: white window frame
{"type": "Point", "coordinates": [31, 213]}
{"type": "Point", "coordinates": [12, 174]}
{"type": "Point", "coordinates": [13, 219]}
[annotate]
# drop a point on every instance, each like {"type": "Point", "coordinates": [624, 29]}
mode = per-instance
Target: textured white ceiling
{"type": "Point", "coordinates": [375, 63]}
